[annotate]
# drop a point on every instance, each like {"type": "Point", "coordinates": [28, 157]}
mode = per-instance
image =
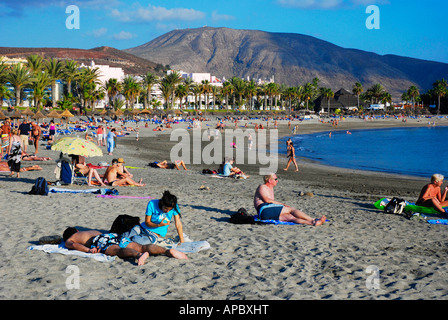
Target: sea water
{"type": "Point", "coordinates": [417, 152]}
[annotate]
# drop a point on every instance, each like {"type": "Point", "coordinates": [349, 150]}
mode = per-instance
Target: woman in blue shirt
{"type": "Point", "coordinates": [159, 214]}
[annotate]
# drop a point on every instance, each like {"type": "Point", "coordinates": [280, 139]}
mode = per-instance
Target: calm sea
{"type": "Point", "coordinates": [409, 151]}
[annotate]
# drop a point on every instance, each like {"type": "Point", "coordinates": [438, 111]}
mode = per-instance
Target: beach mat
{"type": "Point", "coordinates": [61, 249]}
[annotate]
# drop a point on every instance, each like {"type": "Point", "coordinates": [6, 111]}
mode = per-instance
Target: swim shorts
{"type": "Point", "coordinates": [269, 211]}
{"type": "Point", "coordinates": [104, 241]}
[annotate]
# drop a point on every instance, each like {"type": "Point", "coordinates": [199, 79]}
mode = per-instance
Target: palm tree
{"type": "Point", "coordinates": [327, 93]}
{"type": "Point", "coordinates": [308, 92]}
{"type": "Point", "coordinates": [112, 88]}
{"type": "Point", "coordinates": [205, 85]}
{"type": "Point", "coordinates": [35, 63]}
{"type": "Point", "coordinates": [251, 91]}
{"type": "Point", "coordinates": [166, 88]}
{"type": "Point", "coordinates": [357, 90]}
{"type": "Point", "coordinates": [239, 88]}
{"type": "Point", "coordinates": [148, 81]}
{"type": "Point", "coordinates": [413, 93]}
{"type": "Point", "coordinates": [174, 78]}
{"type": "Point", "coordinates": [41, 82]}
{"type": "Point", "coordinates": [181, 92]}
{"type": "Point", "coordinates": [376, 92]}
{"type": "Point", "coordinates": [227, 89]}
{"type": "Point", "coordinates": [131, 89]}
{"type": "Point", "coordinates": [214, 90]}
{"type": "Point", "coordinates": [70, 73]}
{"type": "Point", "coordinates": [86, 84]}
{"type": "Point", "coordinates": [19, 77]}
{"type": "Point", "coordinates": [55, 71]}
{"type": "Point", "coordinates": [440, 90]}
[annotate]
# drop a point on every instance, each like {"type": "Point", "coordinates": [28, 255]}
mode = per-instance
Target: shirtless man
{"type": "Point", "coordinates": [115, 179]}
{"type": "Point", "coordinates": [269, 209]}
{"type": "Point", "coordinates": [35, 135]}
{"type": "Point", "coordinates": [123, 170]}
{"type": "Point", "coordinates": [431, 195]}
{"type": "Point", "coordinates": [111, 244]}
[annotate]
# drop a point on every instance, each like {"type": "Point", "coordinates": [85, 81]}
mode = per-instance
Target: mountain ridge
{"type": "Point", "coordinates": [291, 58]}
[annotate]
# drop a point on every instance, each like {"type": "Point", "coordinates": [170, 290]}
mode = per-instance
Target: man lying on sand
{"type": "Point", "coordinates": [115, 179]}
{"type": "Point", "coordinates": [111, 244]}
{"type": "Point", "coordinates": [269, 209]}
{"type": "Point", "coordinates": [166, 165]}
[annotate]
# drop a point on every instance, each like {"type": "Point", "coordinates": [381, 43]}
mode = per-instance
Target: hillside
{"type": "Point", "coordinates": [292, 59]}
{"type": "Point", "coordinates": [101, 55]}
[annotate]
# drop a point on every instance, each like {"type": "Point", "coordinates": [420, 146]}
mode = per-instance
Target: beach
{"type": "Point", "coordinates": [360, 253]}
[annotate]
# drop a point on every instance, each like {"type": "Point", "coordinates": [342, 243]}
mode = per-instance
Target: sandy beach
{"type": "Point", "coordinates": [254, 262]}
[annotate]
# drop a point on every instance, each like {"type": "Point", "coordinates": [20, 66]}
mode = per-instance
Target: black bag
{"type": "Point", "coordinates": [242, 217]}
{"type": "Point", "coordinates": [395, 206]}
{"type": "Point", "coordinates": [40, 187]}
{"type": "Point", "coordinates": [123, 223]}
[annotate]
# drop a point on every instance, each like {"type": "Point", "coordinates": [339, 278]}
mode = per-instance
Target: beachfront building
{"type": "Point", "coordinates": [343, 100]}
{"type": "Point", "coordinates": [105, 72]}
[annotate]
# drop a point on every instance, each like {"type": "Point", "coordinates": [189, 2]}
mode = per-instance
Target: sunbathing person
{"type": "Point", "coordinates": [29, 157]}
{"type": "Point", "coordinates": [431, 195]}
{"type": "Point", "coordinates": [114, 178]}
{"type": "Point", "coordinates": [269, 209]}
{"type": "Point", "coordinates": [80, 164]}
{"type": "Point", "coordinates": [4, 167]}
{"type": "Point", "coordinates": [228, 170]}
{"type": "Point", "coordinates": [166, 165]}
{"type": "Point", "coordinates": [111, 244]}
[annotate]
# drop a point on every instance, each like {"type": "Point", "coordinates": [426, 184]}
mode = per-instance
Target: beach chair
{"type": "Point", "coordinates": [67, 174]}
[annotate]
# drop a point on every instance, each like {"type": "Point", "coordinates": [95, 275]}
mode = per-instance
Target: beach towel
{"type": "Point", "coordinates": [54, 248]}
{"type": "Point", "coordinates": [278, 222]}
{"type": "Point", "coordinates": [122, 197]}
{"type": "Point", "coordinates": [101, 191]}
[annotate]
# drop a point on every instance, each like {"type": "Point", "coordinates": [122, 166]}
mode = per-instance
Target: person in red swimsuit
{"type": "Point", "coordinates": [431, 195]}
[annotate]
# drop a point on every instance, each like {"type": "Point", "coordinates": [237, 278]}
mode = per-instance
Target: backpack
{"type": "Point", "coordinates": [242, 217]}
{"type": "Point", "coordinates": [395, 206]}
{"type": "Point", "coordinates": [40, 187]}
{"type": "Point", "coordinates": [124, 223]}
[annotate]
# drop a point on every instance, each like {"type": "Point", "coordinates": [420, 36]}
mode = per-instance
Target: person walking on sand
{"type": "Point", "coordinates": [36, 132]}
{"type": "Point", "coordinates": [431, 195]}
{"type": "Point", "coordinates": [269, 209]}
{"type": "Point", "coordinates": [291, 154]}
{"type": "Point", "coordinates": [111, 244]}
{"type": "Point", "coordinates": [110, 141]}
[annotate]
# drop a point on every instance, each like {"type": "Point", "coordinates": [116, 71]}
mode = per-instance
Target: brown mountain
{"type": "Point", "coordinates": [101, 55]}
{"type": "Point", "coordinates": [292, 59]}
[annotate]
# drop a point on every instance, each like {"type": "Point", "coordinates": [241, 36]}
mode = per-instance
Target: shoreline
{"type": "Point", "coordinates": [252, 262]}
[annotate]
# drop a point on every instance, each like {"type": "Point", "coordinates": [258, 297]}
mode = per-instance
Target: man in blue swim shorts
{"type": "Point", "coordinates": [269, 209]}
{"type": "Point", "coordinates": [111, 244]}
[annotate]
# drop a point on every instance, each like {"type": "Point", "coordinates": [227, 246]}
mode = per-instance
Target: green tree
{"type": "Point", "coordinates": [357, 90]}
{"type": "Point", "coordinates": [149, 80]}
{"type": "Point", "coordinates": [19, 77]}
{"type": "Point", "coordinates": [440, 91]}
{"type": "Point", "coordinates": [55, 71]}
{"type": "Point", "coordinates": [40, 83]}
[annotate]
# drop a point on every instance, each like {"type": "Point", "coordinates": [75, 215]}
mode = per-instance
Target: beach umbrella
{"type": "Point", "coordinates": [53, 114]}
{"type": "Point", "coordinates": [77, 146]}
{"type": "Point", "coordinates": [66, 114]}
{"type": "Point", "coordinates": [27, 112]}
{"type": "Point", "coordinates": [38, 115]}
{"type": "Point", "coordinates": [16, 115]}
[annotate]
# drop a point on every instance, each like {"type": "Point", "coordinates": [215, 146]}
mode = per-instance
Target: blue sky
{"type": "Point", "coordinates": [408, 28]}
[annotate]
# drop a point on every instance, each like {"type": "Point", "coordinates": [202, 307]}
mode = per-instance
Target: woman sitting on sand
{"type": "Point", "coordinates": [431, 195]}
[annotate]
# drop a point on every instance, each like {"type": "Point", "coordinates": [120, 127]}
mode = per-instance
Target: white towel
{"type": "Point", "coordinates": [54, 248]}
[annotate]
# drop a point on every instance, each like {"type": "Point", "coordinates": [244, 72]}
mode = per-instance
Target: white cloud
{"type": "Point", "coordinates": [154, 13]}
{"type": "Point", "coordinates": [97, 33]}
{"type": "Point", "coordinates": [124, 35]}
